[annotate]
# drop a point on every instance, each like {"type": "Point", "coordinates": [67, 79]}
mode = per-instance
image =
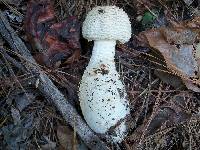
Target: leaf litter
{"type": "Point", "coordinates": [177, 44]}
{"type": "Point", "coordinates": [55, 41]}
{"type": "Point", "coordinates": [55, 44]}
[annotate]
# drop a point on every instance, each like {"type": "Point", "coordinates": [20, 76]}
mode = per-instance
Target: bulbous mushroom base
{"type": "Point", "coordinates": [118, 133]}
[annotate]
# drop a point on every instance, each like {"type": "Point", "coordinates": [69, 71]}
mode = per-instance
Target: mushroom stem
{"type": "Point", "coordinates": [104, 50]}
{"type": "Point", "coordinates": [102, 95]}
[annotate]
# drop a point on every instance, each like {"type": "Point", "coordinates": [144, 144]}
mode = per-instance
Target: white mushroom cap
{"type": "Point", "coordinates": [107, 23]}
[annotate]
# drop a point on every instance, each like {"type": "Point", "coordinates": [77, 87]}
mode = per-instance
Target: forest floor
{"type": "Point", "coordinates": [43, 56]}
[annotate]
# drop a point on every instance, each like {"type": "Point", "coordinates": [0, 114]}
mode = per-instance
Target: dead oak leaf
{"type": "Point", "coordinates": [176, 46]}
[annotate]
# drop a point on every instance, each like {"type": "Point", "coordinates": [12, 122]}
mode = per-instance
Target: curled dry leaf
{"type": "Point", "coordinates": [178, 47]}
{"type": "Point", "coordinates": [55, 41]}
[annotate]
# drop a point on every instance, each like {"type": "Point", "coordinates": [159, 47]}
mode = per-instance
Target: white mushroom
{"type": "Point", "coordinates": [102, 95]}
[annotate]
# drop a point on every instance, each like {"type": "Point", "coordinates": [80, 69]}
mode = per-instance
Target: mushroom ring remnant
{"type": "Point", "coordinates": [103, 98]}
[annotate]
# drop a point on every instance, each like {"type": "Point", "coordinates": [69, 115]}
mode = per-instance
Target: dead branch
{"type": "Point", "coordinates": [47, 87]}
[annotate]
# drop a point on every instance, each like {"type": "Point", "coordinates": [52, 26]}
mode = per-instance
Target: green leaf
{"type": "Point", "coordinates": [148, 18]}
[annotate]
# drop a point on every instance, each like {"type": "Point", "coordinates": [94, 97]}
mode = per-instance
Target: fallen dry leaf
{"type": "Point", "coordinates": [55, 41]}
{"type": "Point", "coordinates": [65, 137]}
{"type": "Point", "coordinates": [177, 46]}
{"type": "Point", "coordinates": [38, 12]}
{"type": "Point", "coordinates": [168, 78]}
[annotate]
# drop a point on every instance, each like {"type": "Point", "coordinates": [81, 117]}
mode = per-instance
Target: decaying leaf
{"type": "Point", "coordinates": [66, 138]}
{"type": "Point", "coordinates": [38, 13]}
{"type": "Point", "coordinates": [170, 79]}
{"type": "Point", "coordinates": [170, 114]}
{"type": "Point", "coordinates": [177, 46]}
{"type": "Point", "coordinates": [179, 36]}
{"type": "Point", "coordinates": [23, 100]}
{"type": "Point", "coordinates": [16, 136]}
{"type": "Point", "coordinates": [55, 41]}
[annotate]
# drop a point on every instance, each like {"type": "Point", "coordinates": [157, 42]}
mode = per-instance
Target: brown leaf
{"type": "Point", "coordinates": [170, 79]}
{"type": "Point", "coordinates": [179, 35]}
{"type": "Point", "coordinates": [176, 46]}
{"type": "Point", "coordinates": [38, 12]}
{"type": "Point", "coordinates": [178, 59]}
{"type": "Point", "coordinates": [65, 137]}
{"type": "Point", "coordinates": [55, 41]}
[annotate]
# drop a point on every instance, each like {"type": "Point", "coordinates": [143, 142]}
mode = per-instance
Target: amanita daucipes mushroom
{"type": "Point", "coordinates": [102, 95]}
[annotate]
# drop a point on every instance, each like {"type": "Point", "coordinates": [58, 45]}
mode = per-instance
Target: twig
{"type": "Point", "coordinates": [12, 60]}
{"type": "Point", "coordinates": [47, 87]}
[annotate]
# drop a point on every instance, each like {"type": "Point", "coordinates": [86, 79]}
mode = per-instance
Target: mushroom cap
{"type": "Point", "coordinates": [107, 23]}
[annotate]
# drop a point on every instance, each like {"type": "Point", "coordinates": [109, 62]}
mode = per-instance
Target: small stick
{"type": "Point", "coordinates": [12, 60]}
